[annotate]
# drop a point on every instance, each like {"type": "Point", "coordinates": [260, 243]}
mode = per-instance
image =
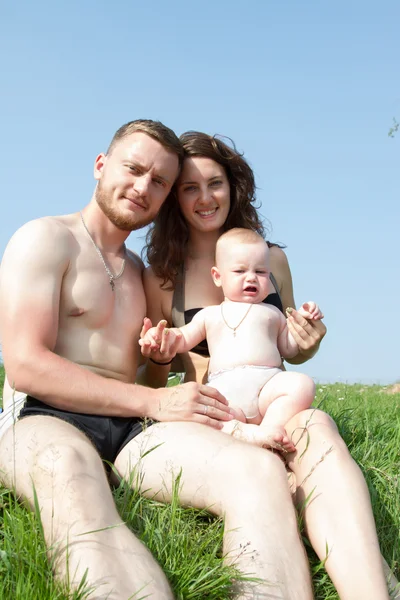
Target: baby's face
{"type": "Point", "coordinates": [244, 270]}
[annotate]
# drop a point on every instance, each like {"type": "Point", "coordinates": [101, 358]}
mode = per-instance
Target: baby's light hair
{"type": "Point", "coordinates": [237, 235]}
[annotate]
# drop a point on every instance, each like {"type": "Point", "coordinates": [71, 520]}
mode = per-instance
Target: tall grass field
{"type": "Point", "coordinates": [188, 543]}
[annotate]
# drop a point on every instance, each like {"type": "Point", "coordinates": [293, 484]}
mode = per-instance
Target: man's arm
{"type": "Point", "coordinates": [32, 270]}
{"type": "Point", "coordinates": [31, 274]}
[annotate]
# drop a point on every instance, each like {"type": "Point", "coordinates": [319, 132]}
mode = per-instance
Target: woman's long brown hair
{"type": "Point", "coordinates": [168, 236]}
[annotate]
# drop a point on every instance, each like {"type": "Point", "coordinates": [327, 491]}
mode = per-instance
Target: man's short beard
{"type": "Point", "coordinates": [122, 222]}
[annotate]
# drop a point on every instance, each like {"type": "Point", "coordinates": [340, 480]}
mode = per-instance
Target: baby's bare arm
{"type": "Point", "coordinates": [287, 345]}
{"type": "Point", "coordinates": [191, 334]}
{"type": "Point", "coordinates": [167, 342]}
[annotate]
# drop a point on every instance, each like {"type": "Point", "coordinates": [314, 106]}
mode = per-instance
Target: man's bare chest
{"type": "Point", "coordinates": [89, 301]}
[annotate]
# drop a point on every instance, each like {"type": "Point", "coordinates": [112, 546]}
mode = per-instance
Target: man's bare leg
{"type": "Point", "coordinates": [393, 584]}
{"type": "Point", "coordinates": [75, 499]}
{"type": "Point", "coordinates": [245, 484]}
{"type": "Point", "coordinates": [338, 516]}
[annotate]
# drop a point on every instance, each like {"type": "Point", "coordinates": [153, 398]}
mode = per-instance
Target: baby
{"type": "Point", "coordinates": [247, 340]}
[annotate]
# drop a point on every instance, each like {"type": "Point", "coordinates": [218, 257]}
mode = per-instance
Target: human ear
{"type": "Point", "coordinates": [216, 275]}
{"type": "Point", "coordinates": [99, 163]}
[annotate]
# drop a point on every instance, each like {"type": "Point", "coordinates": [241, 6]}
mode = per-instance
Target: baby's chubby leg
{"type": "Point", "coordinates": [240, 429]}
{"type": "Point", "coordinates": [233, 384]}
{"type": "Point", "coordinates": [248, 430]}
{"type": "Point", "coordinates": [282, 397]}
{"type": "Point", "coordinates": [261, 415]}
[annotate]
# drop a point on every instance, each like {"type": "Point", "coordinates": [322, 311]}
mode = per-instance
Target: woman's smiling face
{"type": "Point", "coordinates": [203, 193]}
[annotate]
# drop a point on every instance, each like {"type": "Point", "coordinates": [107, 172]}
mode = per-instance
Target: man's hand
{"type": "Point", "coordinates": [159, 343]}
{"type": "Point", "coordinates": [193, 402]}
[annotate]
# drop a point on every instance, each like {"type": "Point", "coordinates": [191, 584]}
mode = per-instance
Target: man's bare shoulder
{"type": "Point", "coordinates": [36, 259]}
{"type": "Point", "coordinates": [44, 233]}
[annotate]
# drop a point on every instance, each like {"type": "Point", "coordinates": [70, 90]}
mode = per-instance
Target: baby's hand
{"type": "Point", "coordinates": [150, 339]}
{"type": "Point", "coordinates": [311, 311]}
{"type": "Point", "coordinates": [158, 342]}
{"type": "Point", "coordinates": [306, 327]}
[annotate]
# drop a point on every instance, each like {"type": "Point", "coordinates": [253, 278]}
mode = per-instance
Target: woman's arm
{"type": "Point", "coordinates": [308, 334]}
{"type": "Point", "coordinates": [159, 302]}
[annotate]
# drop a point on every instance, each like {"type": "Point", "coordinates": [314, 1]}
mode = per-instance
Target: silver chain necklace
{"type": "Point", "coordinates": [240, 322]}
{"type": "Point", "coordinates": [111, 277]}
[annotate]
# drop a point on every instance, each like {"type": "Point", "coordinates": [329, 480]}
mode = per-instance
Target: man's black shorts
{"type": "Point", "coordinates": [108, 434]}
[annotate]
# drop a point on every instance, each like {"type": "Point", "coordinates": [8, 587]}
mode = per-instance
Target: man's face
{"type": "Point", "coordinates": [134, 180]}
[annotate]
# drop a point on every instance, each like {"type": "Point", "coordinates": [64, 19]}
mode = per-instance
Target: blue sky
{"type": "Point", "coordinates": [307, 90]}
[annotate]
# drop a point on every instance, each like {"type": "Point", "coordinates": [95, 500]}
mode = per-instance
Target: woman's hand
{"type": "Point", "coordinates": [307, 332]}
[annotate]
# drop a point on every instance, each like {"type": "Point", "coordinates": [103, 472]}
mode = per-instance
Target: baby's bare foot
{"type": "Point", "coordinates": [275, 436]}
{"type": "Point", "coordinates": [265, 436]}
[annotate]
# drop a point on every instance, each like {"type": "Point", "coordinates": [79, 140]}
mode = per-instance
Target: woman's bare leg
{"type": "Point", "coordinates": [82, 527]}
{"type": "Point", "coordinates": [338, 515]}
{"type": "Point", "coordinates": [247, 485]}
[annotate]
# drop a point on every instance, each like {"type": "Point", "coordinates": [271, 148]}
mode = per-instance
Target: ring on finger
{"type": "Point", "coordinates": [205, 409]}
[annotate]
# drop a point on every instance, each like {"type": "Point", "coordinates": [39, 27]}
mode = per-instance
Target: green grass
{"type": "Point", "coordinates": [187, 543]}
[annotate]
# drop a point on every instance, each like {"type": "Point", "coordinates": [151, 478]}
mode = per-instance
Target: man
{"type": "Point", "coordinates": [72, 306]}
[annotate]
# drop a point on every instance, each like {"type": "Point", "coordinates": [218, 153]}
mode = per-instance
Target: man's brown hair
{"type": "Point", "coordinates": [155, 129]}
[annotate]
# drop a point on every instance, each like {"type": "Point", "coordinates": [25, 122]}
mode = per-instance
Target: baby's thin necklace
{"type": "Point", "coordinates": [240, 322]}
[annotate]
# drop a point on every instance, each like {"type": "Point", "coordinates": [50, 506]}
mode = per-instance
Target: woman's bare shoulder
{"type": "Point", "coordinates": [280, 269]}
{"type": "Point", "coordinates": [152, 280]}
{"type": "Point", "coordinates": [278, 257]}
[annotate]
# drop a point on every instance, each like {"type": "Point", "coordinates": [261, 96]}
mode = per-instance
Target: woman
{"type": "Point", "coordinates": [216, 192]}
